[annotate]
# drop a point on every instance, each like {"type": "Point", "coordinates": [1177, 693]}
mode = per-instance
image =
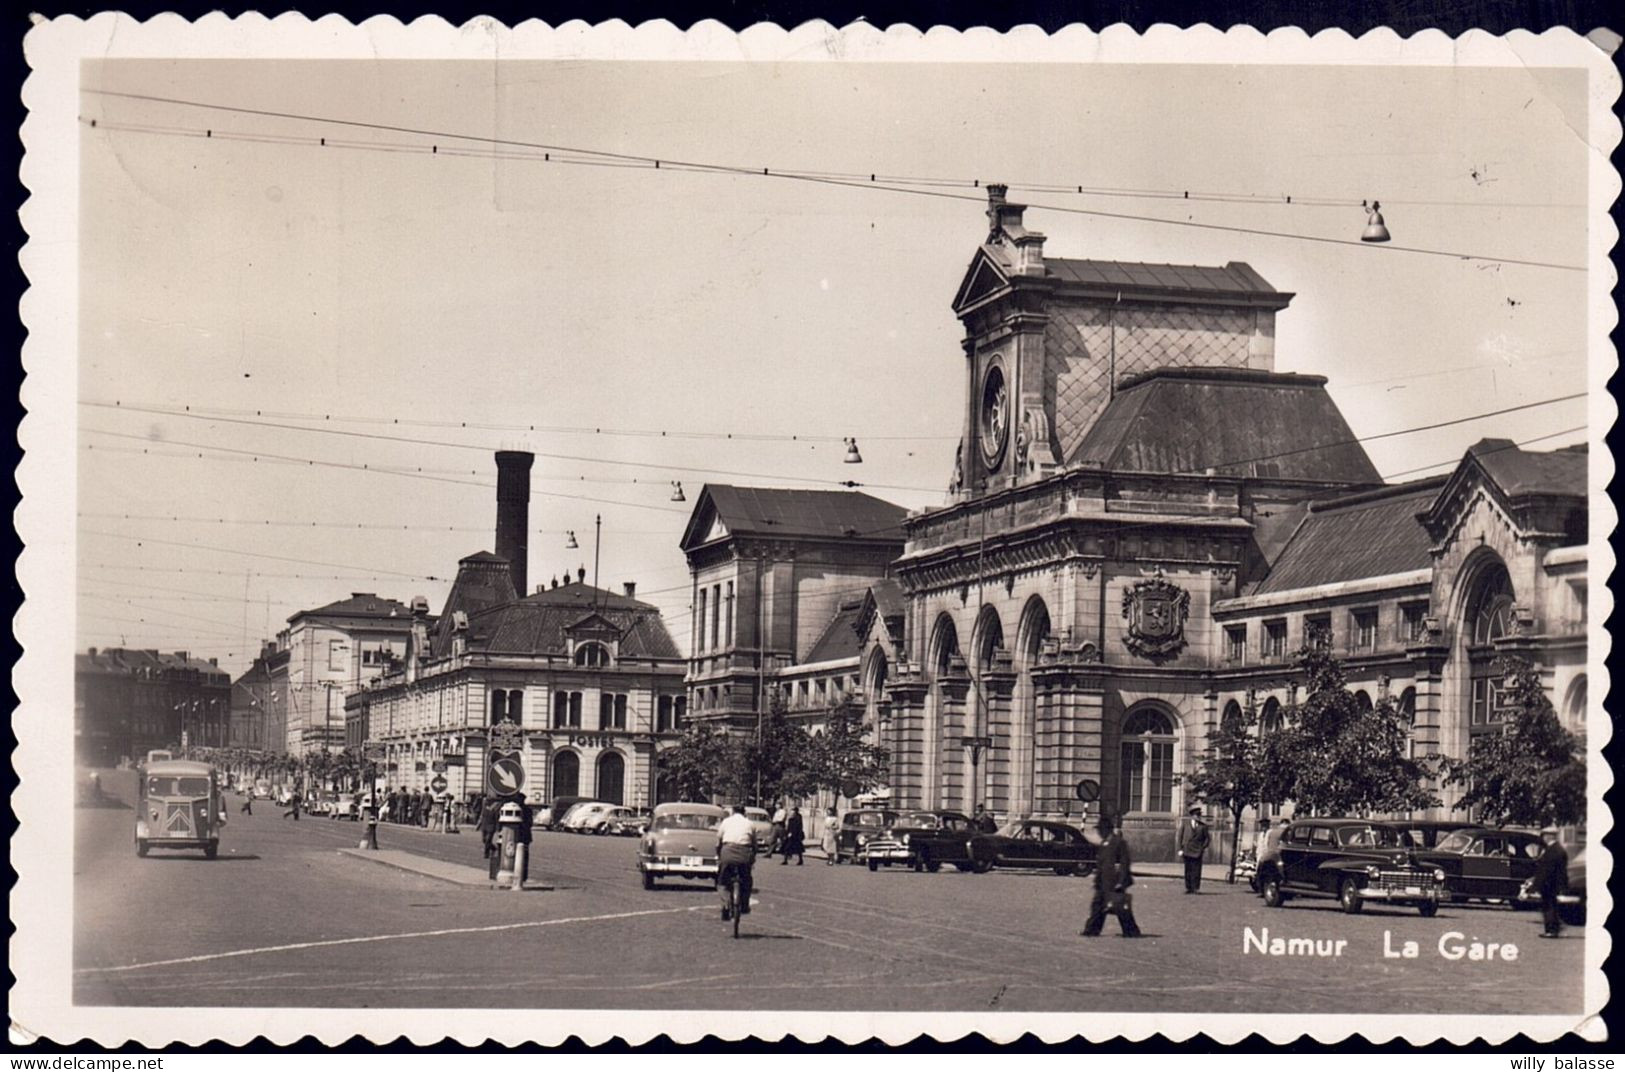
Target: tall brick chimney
{"type": "Point", "coordinates": [513, 511]}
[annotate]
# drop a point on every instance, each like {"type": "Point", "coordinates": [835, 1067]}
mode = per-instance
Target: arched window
{"type": "Point", "coordinates": [1146, 772]}
{"type": "Point", "coordinates": [1362, 699]}
{"type": "Point", "coordinates": [1407, 711]}
{"type": "Point", "coordinates": [1270, 720]}
{"type": "Point", "coordinates": [1574, 706]}
{"type": "Point", "coordinates": [592, 655]}
{"type": "Point", "coordinates": [1232, 713]}
{"type": "Point", "coordinates": [566, 774]}
{"type": "Point", "coordinates": [611, 783]}
{"type": "Point", "coordinates": [989, 639]}
{"type": "Point", "coordinates": [1488, 618]}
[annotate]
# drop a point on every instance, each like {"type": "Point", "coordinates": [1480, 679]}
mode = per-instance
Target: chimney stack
{"type": "Point", "coordinates": [513, 511]}
{"type": "Point", "coordinates": [631, 589]}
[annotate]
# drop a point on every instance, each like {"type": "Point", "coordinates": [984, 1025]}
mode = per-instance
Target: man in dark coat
{"type": "Point", "coordinates": [1113, 878]}
{"type": "Point", "coordinates": [795, 839]}
{"type": "Point", "coordinates": [982, 822]}
{"type": "Point", "coordinates": [1193, 842]}
{"type": "Point", "coordinates": [488, 835]}
{"type": "Point", "coordinates": [1550, 879]}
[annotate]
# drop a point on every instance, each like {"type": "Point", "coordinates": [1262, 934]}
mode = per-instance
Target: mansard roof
{"type": "Point", "coordinates": [1236, 422]}
{"type": "Point", "coordinates": [792, 513]}
{"type": "Point", "coordinates": [840, 639]}
{"type": "Point", "coordinates": [540, 624]}
{"type": "Point", "coordinates": [1355, 537]}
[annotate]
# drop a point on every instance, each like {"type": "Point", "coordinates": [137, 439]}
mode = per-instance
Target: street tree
{"type": "Point", "coordinates": [1533, 771]}
{"type": "Point", "coordinates": [777, 761]}
{"type": "Point", "coordinates": [699, 764]}
{"type": "Point", "coordinates": [1337, 756]}
{"type": "Point", "coordinates": [1232, 773]}
{"type": "Point", "coordinates": [844, 761]}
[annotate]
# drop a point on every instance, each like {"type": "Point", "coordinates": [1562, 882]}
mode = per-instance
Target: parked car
{"type": "Point", "coordinates": [902, 842]}
{"type": "Point", "coordinates": [629, 822]}
{"type": "Point", "coordinates": [585, 816]}
{"type": "Point", "coordinates": [1485, 865]}
{"type": "Point", "coordinates": [681, 843]}
{"type": "Point", "coordinates": [593, 821]}
{"type": "Point", "coordinates": [762, 823]}
{"type": "Point", "coordinates": [1571, 903]}
{"type": "Point", "coordinates": [1427, 833]}
{"type": "Point", "coordinates": [284, 795]}
{"type": "Point", "coordinates": [857, 827]}
{"type": "Point", "coordinates": [1033, 843]}
{"type": "Point", "coordinates": [1354, 860]}
{"type": "Point", "coordinates": [345, 808]}
{"type": "Point", "coordinates": [262, 789]}
{"type": "Point", "coordinates": [553, 815]}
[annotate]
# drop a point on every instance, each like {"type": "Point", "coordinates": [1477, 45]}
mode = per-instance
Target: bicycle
{"type": "Point", "coordinates": [730, 891]}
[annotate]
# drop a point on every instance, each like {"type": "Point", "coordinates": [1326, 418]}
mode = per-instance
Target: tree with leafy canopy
{"type": "Point", "coordinates": [1336, 756]}
{"type": "Point", "coordinates": [1232, 773]}
{"type": "Point", "coordinates": [1533, 771]}
{"type": "Point", "coordinates": [698, 765]}
{"type": "Point", "coordinates": [844, 761]}
{"type": "Point", "coordinates": [778, 761]}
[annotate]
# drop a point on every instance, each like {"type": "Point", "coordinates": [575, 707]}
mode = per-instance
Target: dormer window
{"type": "Point", "coordinates": [592, 654]}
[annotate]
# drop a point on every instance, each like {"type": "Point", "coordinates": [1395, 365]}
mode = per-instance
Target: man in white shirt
{"type": "Point", "coordinates": [736, 852]}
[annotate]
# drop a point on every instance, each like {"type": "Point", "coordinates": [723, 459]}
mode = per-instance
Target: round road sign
{"type": "Point", "coordinates": [439, 784]}
{"type": "Point", "coordinates": [1088, 790]}
{"type": "Point", "coordinates": [505, 775]}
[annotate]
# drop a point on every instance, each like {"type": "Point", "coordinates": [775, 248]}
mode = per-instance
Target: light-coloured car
{"type": "Point", "coordinates": [681, 843]}
{"type": "Point", "coordinates": [762, 823]}
{"type": "Point", "coordinates": [585, 818]}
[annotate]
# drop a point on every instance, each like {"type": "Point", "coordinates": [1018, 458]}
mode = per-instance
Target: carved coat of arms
{"type": "Point", "coordinates": [1155, 611]}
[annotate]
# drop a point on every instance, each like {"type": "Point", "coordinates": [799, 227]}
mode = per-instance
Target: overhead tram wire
{"type": "Point", "coordinates": [416, 527]}
{"type": "Point", "coordinates": [482, 448]}
{"type": "Point", "coordinates": [607, 158]}
{"type": "Point", "coordinates": [258, 554]}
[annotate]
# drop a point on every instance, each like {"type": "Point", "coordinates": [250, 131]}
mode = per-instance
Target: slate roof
{"type": "Point", "coordinates": [538, 624]}
{"type": "Point", "coordinates": [1524, 472]}
{"type": "Point", "coordinates": [797, 512]}
{"type": "Point", "coordinates": [361, 605]}
{"type": "Point", "coordinates": [840, 639]}
{"type": "Point", "coordinates": [483, 580]}
{"type": "Point", "coordinates": [1356, 537]}
{"type": "Point", "coordinates": [1235, 278]}
{"type": "Point", "coordinates": [1240, 422]}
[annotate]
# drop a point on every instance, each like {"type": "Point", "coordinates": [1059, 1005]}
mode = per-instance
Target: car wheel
{"type": "Point", "coordinates": [648, 880]}
{"type": "Point", "coordinates": [1429, 909]}
{"type": "Point", "coordinates": [1271, 889]}
{"type": "Point", "coordinates": [874, 865]}
{"type": "Point", "coordinates": [1066, 871]}
{"type": "Point", "coordinates": [981, 867]}
{"type": "Point", "coordinates": [140, 846]}
{"type": "Point", "coordinates": [933, 866]}
{"type": "Point", "coordinates": [1348, 895]}
{"type": "Point", "coordinates": [963, 867]}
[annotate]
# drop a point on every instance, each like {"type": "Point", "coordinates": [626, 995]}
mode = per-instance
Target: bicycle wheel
{"type": "Point", "coordinates": [736, 913]}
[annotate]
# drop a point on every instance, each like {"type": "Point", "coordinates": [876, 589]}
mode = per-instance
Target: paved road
{"type": "Point", "coordinates": [282, 918]}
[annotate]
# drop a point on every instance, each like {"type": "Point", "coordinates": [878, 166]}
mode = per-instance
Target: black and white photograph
{"type": "Point", "coordinates": [611, 531]}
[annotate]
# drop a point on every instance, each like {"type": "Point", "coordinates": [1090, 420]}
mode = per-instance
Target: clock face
{"type": "Point", "coordinates": [995, 415]}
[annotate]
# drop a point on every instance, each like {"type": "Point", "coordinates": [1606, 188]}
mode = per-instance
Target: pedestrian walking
{"type": "Point", "coordinates": [294, 800]}
{"type": "Point", "coordinates": [1114, 874]}
{"type": "Point", "coordinates": [982, 822]}
{"type": "Point", "coordinates": [1261, 840]}
{"type": "Point", "coordinates": [1550, 879]}
{"type": "Point", "coordinates": [779, 817]}
{"type": "Point", "coordinates": [522, 836]}
{"type": "Point", "coordinates": [1192, 845]}
{"type": "Point", "coordinates": [248, 803]}
{"type": "Point", "coordinates": [827, 835]}
{"type": "Point", "coordinates": [449, 821]}
{"type": "Point", "coordinates": [488, 835]}
{"type": "Point", "coordinates": [795, 839]}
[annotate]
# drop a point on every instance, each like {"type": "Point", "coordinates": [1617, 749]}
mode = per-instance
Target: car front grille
{"type": "Point", "coordinates": [1400, 881]}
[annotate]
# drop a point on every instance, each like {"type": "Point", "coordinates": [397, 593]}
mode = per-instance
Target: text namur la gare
{"type": "Point", "coordinates": [1452, 945]}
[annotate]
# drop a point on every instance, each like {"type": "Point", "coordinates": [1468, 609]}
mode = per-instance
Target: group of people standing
{"type": "Point", "coordinates": [423, 809]}
{"type": "Point", "coordinates": [789, 836]}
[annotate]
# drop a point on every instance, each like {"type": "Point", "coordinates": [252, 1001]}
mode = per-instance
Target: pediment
{"type": "Point", "coordinates": [593, 625]}
{"type": "Point", "coordinates": [984, 280]}
{"type": "Point", "coordinates": [704, 523]}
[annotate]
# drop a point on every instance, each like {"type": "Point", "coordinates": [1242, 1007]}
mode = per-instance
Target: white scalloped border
{"type": "Point", "coordinates": [41, 1001]}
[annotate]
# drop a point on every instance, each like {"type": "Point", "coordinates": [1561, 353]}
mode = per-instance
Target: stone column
{"type": "Point", "coordinates": [1428, 731]}
{"type": "Point", "coordinates": [953, 687]}
{"type": "Point", "coordinates": [998, 686]}
{"type": "Point", "coordinates": [906, 736]}
{"type": "Point", "coordinates": [1068, 731]}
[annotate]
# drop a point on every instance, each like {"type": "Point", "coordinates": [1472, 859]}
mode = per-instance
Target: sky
{"type": "Point", "coordinates": [370, 304]}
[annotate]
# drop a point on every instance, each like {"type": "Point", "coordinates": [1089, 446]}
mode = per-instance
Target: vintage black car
{"type": "Point", "coordinates": [1485, 865]}
{"type": "Point", "coordinates": [857, 827]}
{"type": "Point", "coordinates": [1033, 843]}
{"type": "Point", "coordinates": [896, 844]}
{"type": "Point", "coordinates": [1427, 833]}
{"type": "Point", "coordinates": [1354, 860]}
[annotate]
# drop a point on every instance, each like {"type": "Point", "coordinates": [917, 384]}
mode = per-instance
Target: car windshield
{"type": "Point", "coordinates": [1456, 842]}
{"type": "Point", "coordinates": [1368, 837]}
{"type": "Point", "coordinates": [169, 785]}
{"type": "Point", "coordinates": [1010, 829]}
{"type": "Point", "coordinates": [687, 820]}
{"type": "Point", "coordinates": [919, 818]}
{"type": "Point", "coordinates": [756, 814]}
{"type": "Point", "coordinates": [867, 818]}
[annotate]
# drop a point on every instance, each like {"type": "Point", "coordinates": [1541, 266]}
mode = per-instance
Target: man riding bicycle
{"type": "Point", "coordinates": [736, 852]}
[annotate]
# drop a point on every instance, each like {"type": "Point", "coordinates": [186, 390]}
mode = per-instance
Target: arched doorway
{"type": "Point", "coordinates": [1145, 772]}
{"type": "Point", "coordinates": [1031, 632]}
{"type": "Point", "coordinates": [983, 723]}
{"type": "Point", "coordinates": [566, 774]}
{"type": "Point", "coordinates": [941, 756]}
{"type": "Point", "coordinates": [610, 784]}
{"type": "Point", "coordinates": [1488, 618]}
